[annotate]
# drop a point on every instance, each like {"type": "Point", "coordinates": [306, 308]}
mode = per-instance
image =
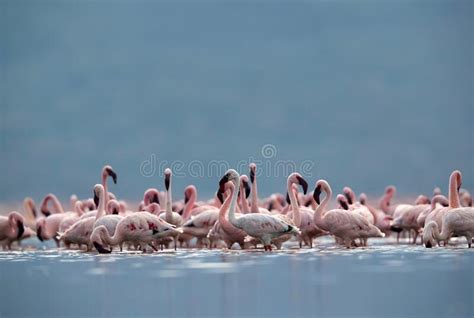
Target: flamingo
{"type": "Point", "coordinates": [169, 215]}
{"type": "Point", "coordinates": [223, 229]}
{"type": "Point", "coordinates": [455, 180]}
{"type": "Point", "coordinates": [261, 226]}
{"type": "Point", "coordinates": [140, 228]}
{"type": "Point", "coordinates": [244, 194]}
{"type": "Point", "coordinates": [303, 217]}
{"type": "Point", "coordinates": [345, 226]}
{"type": "Point", "coordinates": [458, 221]}
{"type": "Point", "coordinates": [11, 228]}
{"type": "Point", "coordinates": [48, 226]}
{"type": "Point", "coordinates": [382, 220]}
{"type": "Point", "coordinates": [254, 208]}
{"type": "Point", "coordinates": [437, 201]}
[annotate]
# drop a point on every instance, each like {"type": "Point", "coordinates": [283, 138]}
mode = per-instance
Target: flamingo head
{"type": "Point", "coordinates": [317, 191]}
{"type": "Point", "coordinates": [107, 171]}
{"type": "Point", "coordinates": [342, 200]}
{"type": "Point", "coordinates": [40, 224]}
{"type": "Point", "coordinates": [189, 191]}
{"type": "Point", "coordinates": [16, 219]}
{"type": "Point", "coordinates": [349, 194]}
{"type": "Point", "coordinates": [167, 178]}
{"type": "Point", "coordinates": [245, 182]}
{"type": "Point", "coordinates": [252, 172]}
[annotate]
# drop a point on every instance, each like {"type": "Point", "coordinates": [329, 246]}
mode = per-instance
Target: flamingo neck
{"type": "Point", "coordinates": [254, 198]}
{"type": "Point", "coordinates": [454, 201]}
{"type": "Point", "coordinates": [169, 211]}
{"type": "Point", "coordinates": [57, 205]}
{"type": "Point", "coordinates": [294, 203]}
{"type": "Point", "coordinates": [226, 225]}
{"type": "Point", "coordinates": [243, 200]}
{"type": "Point", "coordinates": [189, 206]}
{"type": "Point", "coordinates": [104, 184]}
{"type": "Point", "coordinates": [101, 207]}
{"type": "Point", "coordinates": [385, 202]}
{"type": "Point", "coordinates": [320, 210]}
{"type": "Point", "coordinates": [232, 218]}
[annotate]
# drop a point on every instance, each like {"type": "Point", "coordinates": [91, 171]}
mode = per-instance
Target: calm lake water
{"type": "Point", "coordinates": [383, 280]}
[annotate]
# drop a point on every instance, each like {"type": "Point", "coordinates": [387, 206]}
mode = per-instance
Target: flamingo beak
{"type": "Point", "coordinates": [155, 199]}
{"type": "Point", "coordinates": [167, 181]}
{"type": "Point", "coordinates": [101, 249]}
{"type": "Point", "coordinates": [186, 197]}
{"type": "Point", "coordinates": [112, 174]}
{"type": "Point", "coordinates": [247, 189]}
{"type": "Point", "coordinates": [428, 244]}
{"type": "Point", "coordinates": [395, 229]}
{"type": "Point", "coordinates": [288, 198]}
{"type": "Point", "coordinates": [115, 211]}
{"type": "Point", "coordinates": [220, 196]}
{"type": "Point", "coordinates": [21, 229]}
{"type": "Point", "coordinates": [38, 233]}
{"type": "Point", "coordinates": [33, 209]}
{"type": "Point", "coordinates": [96, 199]}
{"type": "Point", "coordinates": [348, 197]}
{"type": "Point", "coordinates": [317, 193]}
{"type": "Point", "coordinates": [344, 205]}
{"type": "Point", "coordinates": [222, 182]}
{"type": "Point", "coordinates": [303, 184]}
{"type": "Point", "coordinates": [252, 175]}
{"type": "Point", "coordinates": [45, 212]}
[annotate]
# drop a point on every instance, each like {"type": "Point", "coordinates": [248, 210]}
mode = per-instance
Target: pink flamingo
{"type": "Point", "coordinates": [11, 227]}
{"type": "Point", "coordinates": [48, 226]}
{"type": "Point", "coordinates": [345, 226]}
{"type": "Point", "coordinates": [244, 194]}
{"type": "Point", "coordinates": [261, 226]}
{"type": "Point", "coordinates": [382, 220]}
{"type": "Point", "coordinates": [223, 229]}
{"type": "Point", "coordinates": [458, 221]}
{"type": "Point", "coordinates": [302, 217]}
{"type": "Point", "coordinates": [438, 201]}
{"type": "Point", "coordinates": [455, 181]}
{"type": "Point", "coordinates": [169, 215]}
{"type": "Point", "coordinates": [140, 228]}
{"type": "Point", "coordinates": [254, 208]}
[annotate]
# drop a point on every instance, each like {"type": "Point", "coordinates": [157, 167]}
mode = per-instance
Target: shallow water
{"type": "Point", "coordinates": [382, 280]}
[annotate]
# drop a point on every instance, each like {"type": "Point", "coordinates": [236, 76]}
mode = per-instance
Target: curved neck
{"type": "Point", "coordinates": [385, 202]}
{"type": "Point", "coordinates": [56, 204]}
{"type": "Point", "coordinates": [294, 203]}
{"type": "Point", "coordinates": [101, 207]}
{"type": "Point", "coordinates": [188, 207]}
{"type": "Point", "coordinates": [319, 213]}
{"type": "Point", "coordinates": [110, 240]}
{"type": "Point", "coordinates": [243, 200]}
{"type": "Point", "coordinates": [254, 198]}
{"type": "Point", "coordinates": [226, 225]}
{"type": "Point", "coordinates": [232, 217]}
{"type": "Point", "coordinates": [454, 201]}
{"type": "Point", "coordinates": [104, 184]}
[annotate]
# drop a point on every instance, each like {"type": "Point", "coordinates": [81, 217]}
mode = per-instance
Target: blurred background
{"type": "Point", "coordinates": [372, 93]}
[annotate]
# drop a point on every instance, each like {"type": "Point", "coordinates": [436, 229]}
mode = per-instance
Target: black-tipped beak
{"type": "Point", "coordinates": [115, 211]}
{"type": "Point", "coordinates": [186, 197]}
{"type": "Point", "coordinates": [287, 199]}
{"type": "Point", "coordinates": [316, 194]}
{"type": "Point", "coordinates": [21, 229]}
{"type": "Point", "coordinates": [38, 234]}
{"type": "Point", "coordinates": [33, 210]}
{"type": "Point", "coordinates": [222, 182]}
{"type": "Point", "coordinates": [167, 181]}
{"type": "Point", "coordinates": [362, 201]}
{"type": "Point", "coordinates": [96, 199]}
{"type": "Point", "coordinates": [395, 229]}
{"type": "Point", "coordinates": [112, 174]}
{"type": "Point", "coordinates": [220, 196]}
{"type": "Point", "coordinates": [303, 184]}
{"type": "Point", "coordinates": [348, 198]}
{"type": "Point", "coordinates": [155, 199]}
{"type": "Point", "coordinates": [101, 249]}
{"type": "Point", "coordinates": [46, 212]}
{"type": "Point", "coordinates": [270, 206]}
{"type": "Point", "coordinates": [428, 244]}
{"type": "Point", "coordinates": [252, 175]}
{"type": "Point", "coordinates": [247, 188]}
{"type": "Point", "coordinates": [344, 205]}
{"type": "Point", "coordinates": [180, 212]}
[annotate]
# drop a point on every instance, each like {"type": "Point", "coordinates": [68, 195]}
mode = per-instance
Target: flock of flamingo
{"type": "Point", "coordinates": [104, 223]}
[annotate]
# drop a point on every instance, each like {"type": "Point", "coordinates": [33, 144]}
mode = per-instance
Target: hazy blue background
{"type": "Point", "coordinates": [374, 93]}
